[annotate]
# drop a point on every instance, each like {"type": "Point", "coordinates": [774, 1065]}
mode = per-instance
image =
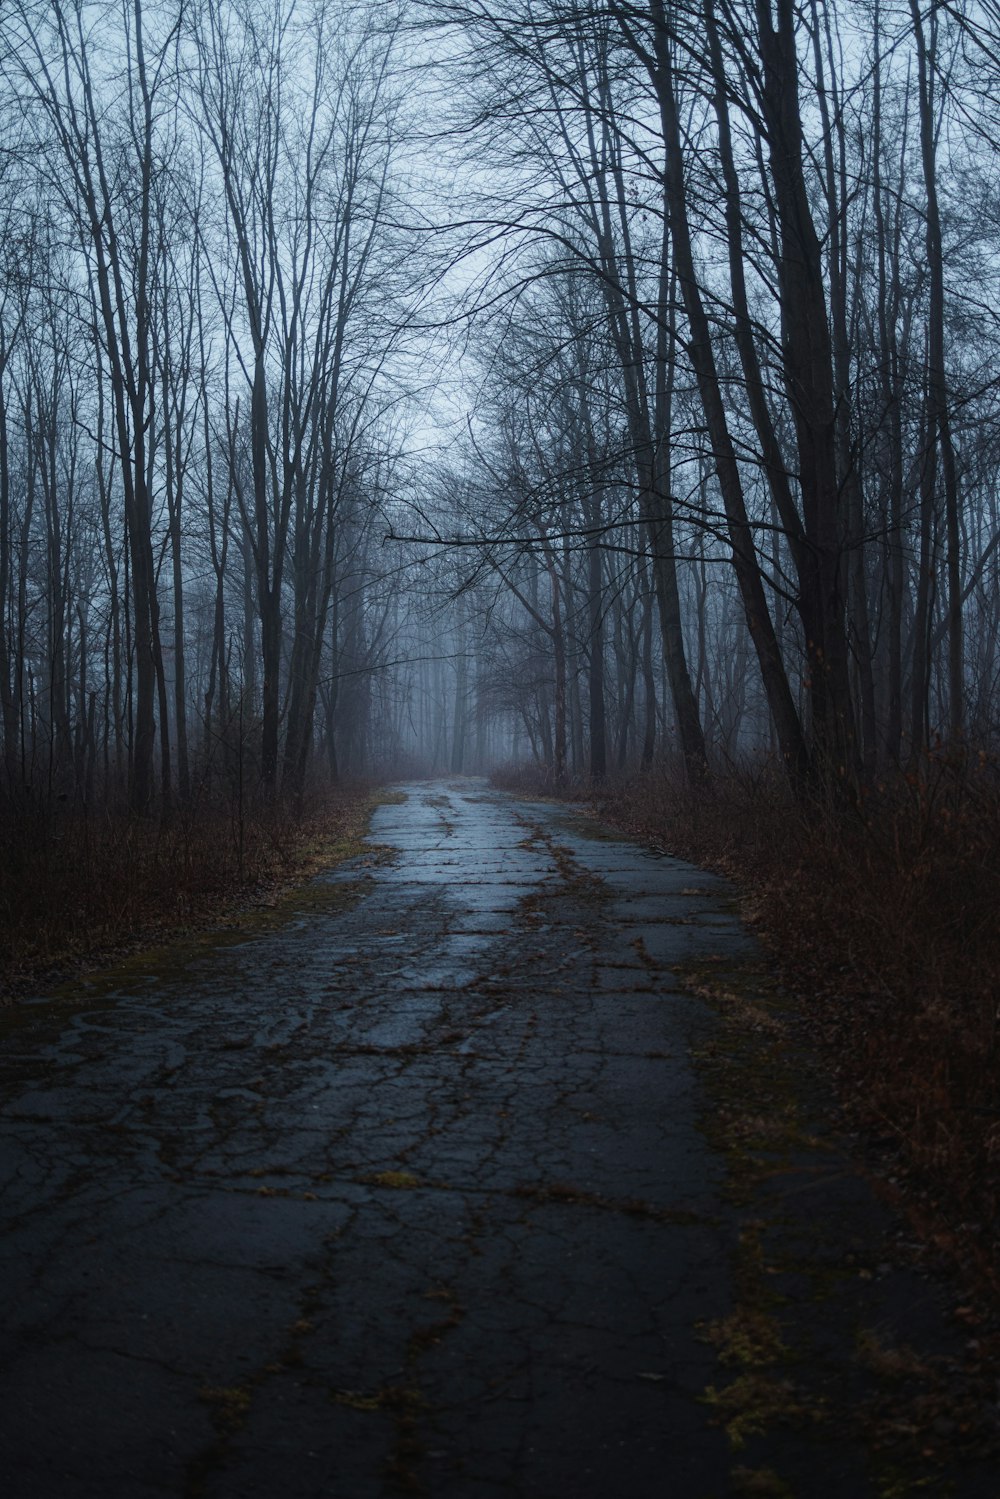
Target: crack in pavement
{"type": "Point", "coordinates": [407, 1193]}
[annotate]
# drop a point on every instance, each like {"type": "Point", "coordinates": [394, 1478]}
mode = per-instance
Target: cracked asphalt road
{"type": "Point", "coordinates": [405, 1192]}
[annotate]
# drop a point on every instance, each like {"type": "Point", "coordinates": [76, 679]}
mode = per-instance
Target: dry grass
{"type": "Point", "coordinates": [77, 890]}
{"type": "Point", "coordinates": [885, 920]}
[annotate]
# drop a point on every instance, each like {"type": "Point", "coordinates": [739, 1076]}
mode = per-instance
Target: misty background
{"type": "Point", "coordinates": [413, 388]}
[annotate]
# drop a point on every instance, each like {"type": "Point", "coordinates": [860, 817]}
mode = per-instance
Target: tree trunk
{"type": "Point", "coordinates": [701, 353]}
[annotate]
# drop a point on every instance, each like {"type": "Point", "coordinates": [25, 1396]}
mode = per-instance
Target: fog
{"type": "Point", "coordinates": [417, 388]}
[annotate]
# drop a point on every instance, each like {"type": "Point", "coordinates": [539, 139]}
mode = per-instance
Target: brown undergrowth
{"type": "Point", "coordinates": [78, 890]}
{"type": "Point", "coordinates": [884, 920]}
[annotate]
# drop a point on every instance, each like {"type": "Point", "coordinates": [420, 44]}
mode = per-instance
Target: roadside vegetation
{"type": "Point", "coordinates": [78, 890]}
{"type": "Point", "coordinates": [881, 922]}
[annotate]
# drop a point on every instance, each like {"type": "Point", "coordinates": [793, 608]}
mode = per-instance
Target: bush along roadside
{"type": "Point", "coordinates": [78, 892]}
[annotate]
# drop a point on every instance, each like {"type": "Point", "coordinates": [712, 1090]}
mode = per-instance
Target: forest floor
{"type": "Point", "coordinates": [492, 1161]}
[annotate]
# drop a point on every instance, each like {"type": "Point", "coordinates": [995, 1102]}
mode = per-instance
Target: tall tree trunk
{"type": "Point", "coordinates": [939, 436]}
{"type": "Point", "coordinates": [809, 383]}
{"type": "Point", "coordinates": [701, 353]}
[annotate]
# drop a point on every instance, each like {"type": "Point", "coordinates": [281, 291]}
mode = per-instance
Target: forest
{"type": "Point", "coordinates": [597, 395]}
{"type": "Point", "coordinates": [580, 384]}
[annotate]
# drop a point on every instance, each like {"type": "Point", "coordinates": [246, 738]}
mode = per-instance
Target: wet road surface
{"type": "Point", "coordinates": [411, 1191]}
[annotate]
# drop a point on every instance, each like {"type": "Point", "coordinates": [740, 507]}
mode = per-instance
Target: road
{"type": "Point", "coordinates": [415, 1188]}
